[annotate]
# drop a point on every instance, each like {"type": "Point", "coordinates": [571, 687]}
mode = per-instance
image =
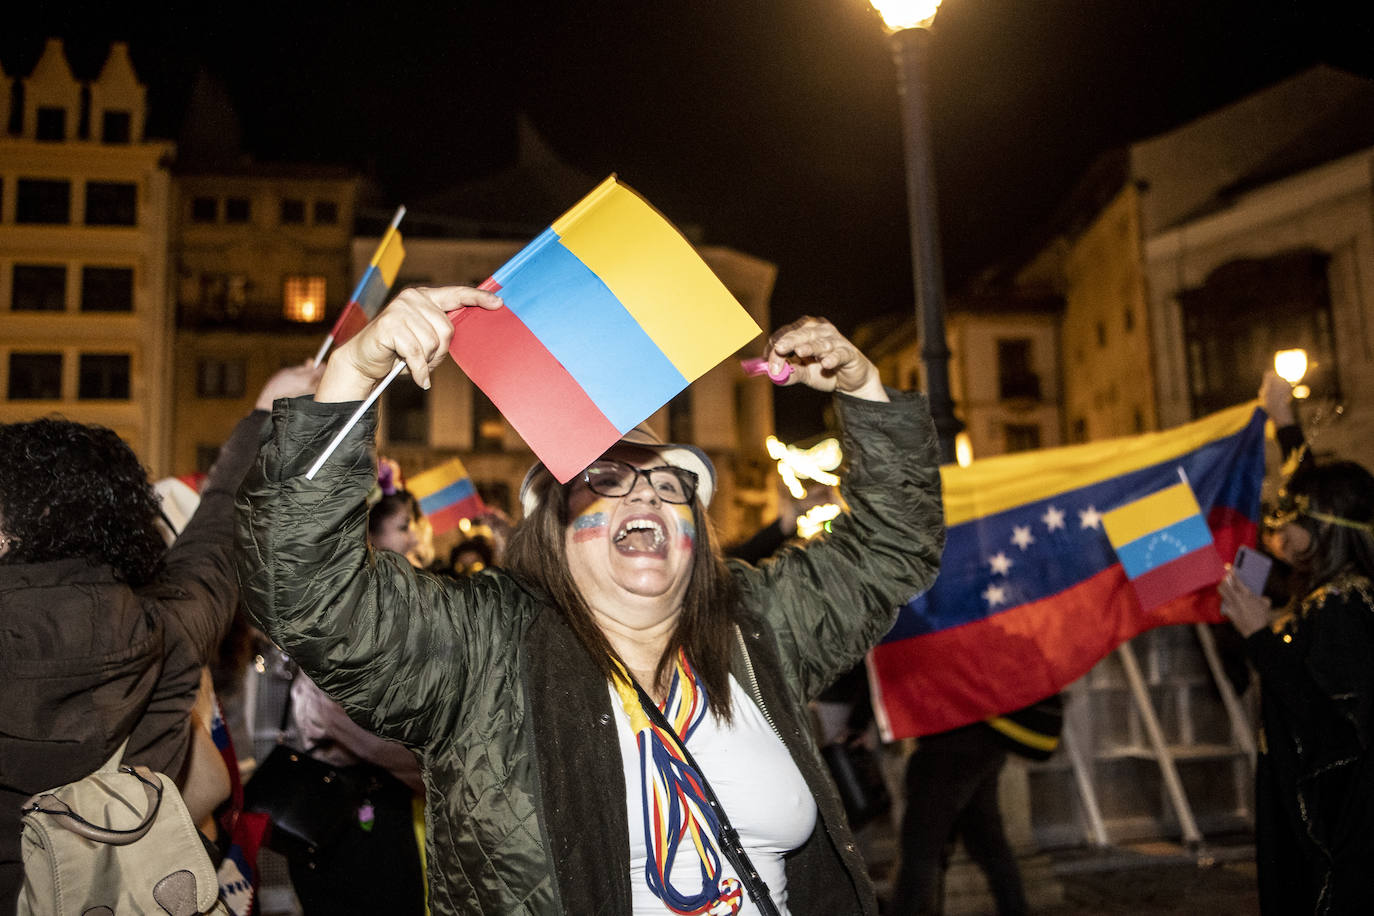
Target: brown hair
{"type": "Point", "coordinates": [537, 552]}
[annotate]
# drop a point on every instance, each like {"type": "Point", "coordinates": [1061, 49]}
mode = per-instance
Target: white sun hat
{"type": "Point", "coordinates": [687, 457]}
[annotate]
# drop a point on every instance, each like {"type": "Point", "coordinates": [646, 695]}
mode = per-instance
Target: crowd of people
{"type": "Point", "coordinates": [598, 711]}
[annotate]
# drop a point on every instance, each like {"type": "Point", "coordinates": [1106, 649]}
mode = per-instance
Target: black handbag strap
{"type": "Point", "coordinates": [729, 840]}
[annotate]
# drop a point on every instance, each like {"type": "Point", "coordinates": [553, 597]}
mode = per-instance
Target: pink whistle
{"type": "Point", "coordinates": [759, 366]}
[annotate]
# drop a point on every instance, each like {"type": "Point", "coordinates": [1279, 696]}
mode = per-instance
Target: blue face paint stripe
{"type": "Point", "coordinates": [590, 520]}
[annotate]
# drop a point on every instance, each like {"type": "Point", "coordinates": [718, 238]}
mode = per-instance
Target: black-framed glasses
{"type": "Point", "coordinates": [608, 477]}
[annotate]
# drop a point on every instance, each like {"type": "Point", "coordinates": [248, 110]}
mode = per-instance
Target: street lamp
{"type": "Point", "coordinates": [908, 24]}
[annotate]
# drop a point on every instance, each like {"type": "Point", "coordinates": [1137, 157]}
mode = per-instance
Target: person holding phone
{"type": "Point", "coordinates": [1314, 785]}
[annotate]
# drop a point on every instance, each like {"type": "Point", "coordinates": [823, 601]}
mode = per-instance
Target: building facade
{"type": "Point", "coordinates": [261, 268]}
{"type": "Point", "coordinates": [85, 319]}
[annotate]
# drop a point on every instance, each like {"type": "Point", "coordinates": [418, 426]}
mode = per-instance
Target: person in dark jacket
{"type": "Point", "coordinates": [524, 688]}
{"type": "Point", "coordinates": [103, 630]}
{"type": "Point", "coordinates": [1314, 784]}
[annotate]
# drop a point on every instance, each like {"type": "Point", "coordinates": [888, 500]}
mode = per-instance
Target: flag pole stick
{"type": "Point", "coordinates": [358, 290]}
{"type": "Point", "coordinates": [353, 420]}
{"type": "Point", "coordinates": [324, 348]}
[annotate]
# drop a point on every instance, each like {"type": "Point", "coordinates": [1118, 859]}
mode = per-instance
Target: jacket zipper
{"type": "Point", "coordinates": [754, 690]}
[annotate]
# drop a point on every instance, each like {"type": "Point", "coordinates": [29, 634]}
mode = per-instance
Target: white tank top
{"type": "Point", "coordinates": [759, 786]}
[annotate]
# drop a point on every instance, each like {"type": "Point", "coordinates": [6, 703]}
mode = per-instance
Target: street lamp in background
{"type": "Point", "coordinates": [908, 25]}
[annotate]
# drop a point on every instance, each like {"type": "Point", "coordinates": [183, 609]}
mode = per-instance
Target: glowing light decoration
{"type": "Point", "coordinates": [814, 463]}
{"type": "Point", "coordinates": [963, 449]}
{"type": "Point", "coordinates": [816, 520]}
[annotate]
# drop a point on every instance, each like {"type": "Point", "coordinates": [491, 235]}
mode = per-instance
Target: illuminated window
{"type": "Point", "coordinates": [303, 299]}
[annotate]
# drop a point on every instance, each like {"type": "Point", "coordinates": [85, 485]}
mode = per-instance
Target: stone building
{"type": "Point", "coordinates": [85, 319]}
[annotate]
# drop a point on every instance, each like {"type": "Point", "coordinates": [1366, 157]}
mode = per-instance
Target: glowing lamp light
{"type": "Point", "coordinates": [1301, 391]}
{"type": "Point", "coordinates": [963, 449]}
{"type": "Point", "coordinates": [1291, 365]}
{"type": "Point", "coordinates": [906, 14]}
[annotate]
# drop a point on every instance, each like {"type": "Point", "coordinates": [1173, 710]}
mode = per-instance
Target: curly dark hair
{"type": "Point", "coordinates": [70, 490]}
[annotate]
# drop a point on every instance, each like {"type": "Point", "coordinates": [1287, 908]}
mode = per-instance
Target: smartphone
{"type": "Point", "coordinates": [1252, 568]}
{"type": "Point", "coordinates": [1262, 574]}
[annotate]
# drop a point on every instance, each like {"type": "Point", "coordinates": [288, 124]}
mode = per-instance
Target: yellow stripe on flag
{"type": "Point", "coordinates": [992, 485]}
{"type": "Point", "coordinates": [436, 478]}
{"type": "Point", "coordinates": [1150, 513]}
{"type": "Point", "coordinates": [666, 287]}
{"type": "Point", "coordinates": [389, 255]}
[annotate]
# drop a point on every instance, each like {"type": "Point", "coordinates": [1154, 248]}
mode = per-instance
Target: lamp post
{"type": "Point", "coordinates": [908, 26]}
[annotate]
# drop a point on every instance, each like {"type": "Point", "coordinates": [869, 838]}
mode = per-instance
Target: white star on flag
{"type": "Point", "coordinates": [1089, 518]}
{"type": "Point", "coordinates": [1021, 536]}
{"type": "Point", "coordinates": [995, 595]}
{"type": "Point", "coordinates": [1000, 563]}
{"type": "Point", "coordinates": [1053, 518]}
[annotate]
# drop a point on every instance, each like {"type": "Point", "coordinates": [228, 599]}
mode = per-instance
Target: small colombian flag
{"type": "Point", "coordinates": [446, 495]}
{"type": "Point", "coordinates": [370, 293]}
{"type": "Point", "coordinates": [1164, 545]}
{"type": "Point", "coordinates": [609, 313]}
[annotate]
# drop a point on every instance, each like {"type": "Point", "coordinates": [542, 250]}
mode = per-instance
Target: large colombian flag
{"type": "Point", "coordinates": [609, 313]}
{"type": "Point", "coordinates": [446, 495]}
{"type": "Point", "coordinates": [1031, 593]}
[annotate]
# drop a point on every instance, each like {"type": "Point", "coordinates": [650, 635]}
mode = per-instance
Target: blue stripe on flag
{"type": "Point", "coordinates": [1060, 559]}
{"type": "Point", "coordinates": [372, 292]}
{"type": "Point", "coordinates": [1159, 547]}
{"type": "Point", "coordinates": [455, 492]}
{"type": "Point", "coordinates": [538, 291]}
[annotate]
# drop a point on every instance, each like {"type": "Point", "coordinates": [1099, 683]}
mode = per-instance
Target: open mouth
{"type": "Point", "coordinates": [641, 535]}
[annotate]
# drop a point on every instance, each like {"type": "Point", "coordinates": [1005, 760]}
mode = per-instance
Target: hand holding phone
{"type": "Point", "coordinates": [1252, 568]}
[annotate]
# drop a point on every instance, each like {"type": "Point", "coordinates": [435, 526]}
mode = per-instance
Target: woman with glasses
{"type": "Point", "coordinates": [1314, 786]}
{"type": "Point", "coordinates": [615, 721]}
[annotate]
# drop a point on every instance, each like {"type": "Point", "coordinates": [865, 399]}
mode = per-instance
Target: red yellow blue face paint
{"type": "Point", "coordinates": [686, 526]}
{"type": "Point", "coordinates": [589, 526]}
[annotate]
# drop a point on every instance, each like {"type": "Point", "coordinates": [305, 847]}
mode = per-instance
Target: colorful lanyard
{"type": "Point", "coordinates": [675, 805]}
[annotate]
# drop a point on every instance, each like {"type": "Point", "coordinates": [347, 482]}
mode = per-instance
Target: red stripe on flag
{"type": "Point", "coordinates": [522, 379]}
{"type": "Point", "coordinates": [1188, 573]}
{"type": "Point", "coordinates": [447, 518]}
{"type": "Point", "coordinates": [351, 321]}
{"type": "Point", "coordinates": [938, 681]}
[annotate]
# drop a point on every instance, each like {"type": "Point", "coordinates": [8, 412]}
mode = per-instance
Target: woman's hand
{"type": "Point", "coordinates": [414, 328]}
{"type": "Point", "coordinates": [1248, 612]}
{"type": "Point", "coordinates": [824, 359]}
{"type": "Point", "coordinates": [1277, 397]}
{"type": "Point", "coordinates": [291, 382]}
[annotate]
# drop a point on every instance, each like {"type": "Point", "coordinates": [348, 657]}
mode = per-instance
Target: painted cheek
{"type": "Point", "coordinates": [689, 530]}
{"type": "Point", "coordinates": [589, 526]}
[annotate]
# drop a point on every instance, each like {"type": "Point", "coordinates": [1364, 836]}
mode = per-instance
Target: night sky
{"type": "Point", "coordinates": [772, 124]}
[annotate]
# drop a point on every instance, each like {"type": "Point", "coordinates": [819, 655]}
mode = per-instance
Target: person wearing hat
{"type": "Point", "coordinates": [1314, 781]}
{"type": "Point", "coordinates": [593, 714]}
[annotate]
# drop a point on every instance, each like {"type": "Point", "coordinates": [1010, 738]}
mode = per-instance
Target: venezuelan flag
{"type": "Point", "coordinates": [370, 293]}
{"type": "Point", "coordinates": [609, 313]}
{"type": "Point", "coordinates": [1032, 593]}
{"type": "Point", "coordinates": [1164, 545]}
{"type": "Point", "coordinates": [446, 495]}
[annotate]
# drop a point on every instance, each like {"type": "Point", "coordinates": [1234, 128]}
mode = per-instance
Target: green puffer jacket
{"type": "Point", "coordinates": [511, 718]}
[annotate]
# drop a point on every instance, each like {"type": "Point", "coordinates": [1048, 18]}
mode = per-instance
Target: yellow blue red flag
{"type": "Point", "coordinates": [1032, 592]}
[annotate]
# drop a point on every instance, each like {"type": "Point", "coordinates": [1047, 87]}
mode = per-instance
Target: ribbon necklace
{"type": "Point", "coordinates": [675, 807]}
